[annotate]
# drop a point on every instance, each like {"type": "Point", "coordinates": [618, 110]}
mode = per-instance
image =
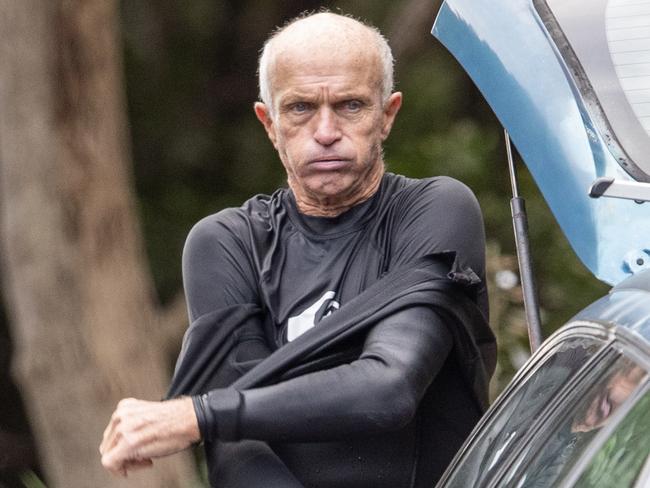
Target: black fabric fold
{"type": "Point", "coordinates": [206, 344]}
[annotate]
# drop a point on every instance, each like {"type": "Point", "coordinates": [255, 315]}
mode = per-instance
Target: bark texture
{"type": "Point", "coordinates": [79, 295]}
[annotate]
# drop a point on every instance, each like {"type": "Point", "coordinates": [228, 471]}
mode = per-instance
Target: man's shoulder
{"type": "Point", "coordinates": [258, 207]}
{"type": "Point", "coordinates": [238, 221]}
{"type": "Point", "coordinates": [437, 189]}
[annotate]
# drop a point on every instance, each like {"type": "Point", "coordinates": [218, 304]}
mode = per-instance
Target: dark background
{"type": "Point", "coordinates": [190, 75]}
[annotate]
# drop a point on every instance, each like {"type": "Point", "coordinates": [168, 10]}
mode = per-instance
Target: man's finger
{"type": "Point", "coordinates": [119, 450]}
{"type": "Point", "coordinates": [111, 434]}
{"type": "Point", "coordinates": [116, 469]}
{"type": "Point", "coordinates": [112, 463]}
{"type": "Point", "coordinates": [119, 467]}
{"type": "Point", "coordinates": [106, 437]}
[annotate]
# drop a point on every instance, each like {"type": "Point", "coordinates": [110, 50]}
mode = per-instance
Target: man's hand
{"type": "Point", "coordinates": [141, 430]}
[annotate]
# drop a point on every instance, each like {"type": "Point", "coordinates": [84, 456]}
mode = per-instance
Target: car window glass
{"type": "Point", "coordinates": [524, 405]}
{"type": "Point", "coordinates": [551, 455]}
{"type": "Point", "coordinates": [620, 460]}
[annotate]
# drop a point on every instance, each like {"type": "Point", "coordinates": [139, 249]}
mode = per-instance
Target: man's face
{"type": "Point", "coordinates": [328, 123]}
{"type": "Point", "coordinates": [612, 395]}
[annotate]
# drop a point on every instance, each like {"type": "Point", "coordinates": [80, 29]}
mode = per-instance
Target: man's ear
{"type": "Point", "coordinates": [391, 108]}
{"type": "Point", "coordinates": [263, 114]}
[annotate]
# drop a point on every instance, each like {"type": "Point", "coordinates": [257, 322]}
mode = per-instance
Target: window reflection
{"type": "Point", "coordinates": [607, 400]}
{"type": "Point", "coordinates": [503, 435]}
{"type": "Point", "coordinates": [550, 457]}
{"type": "Point", "coordinates": [621, 459]}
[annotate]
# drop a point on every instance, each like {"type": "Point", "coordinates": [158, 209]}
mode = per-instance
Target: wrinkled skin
{"type": "Point", "coordinates": [140, 431]}
{"type": "Point", "coordinates": [328, 122]}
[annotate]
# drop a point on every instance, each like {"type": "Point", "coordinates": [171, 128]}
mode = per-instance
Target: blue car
{"type": "Point", "coordinates": [570, 82]}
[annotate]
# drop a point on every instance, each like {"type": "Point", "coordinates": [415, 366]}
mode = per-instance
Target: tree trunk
{"type": "Point", "coordinates": [79, 295]}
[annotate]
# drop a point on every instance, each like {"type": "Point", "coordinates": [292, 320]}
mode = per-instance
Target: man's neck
{"type": "Point", "coordinates": [335, 207]}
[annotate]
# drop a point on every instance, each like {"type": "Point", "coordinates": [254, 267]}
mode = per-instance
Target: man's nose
{"type": "Point", "coordinates": [327, 130]}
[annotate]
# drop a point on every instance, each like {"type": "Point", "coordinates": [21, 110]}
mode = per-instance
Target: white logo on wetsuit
{"type": "Point", "coordinates": [296, 326]}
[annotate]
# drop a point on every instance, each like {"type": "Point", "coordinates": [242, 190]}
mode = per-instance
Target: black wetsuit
{"type": "Point", "coordinates": [389, 408]}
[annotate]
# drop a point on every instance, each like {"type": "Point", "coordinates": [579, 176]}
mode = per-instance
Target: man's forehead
{"type": "Point", "coordinates": [326, 48]}
{"type": "Point", "coordinates": [344, 73]}
{"type": "Point", "coordinates": [325, 60]}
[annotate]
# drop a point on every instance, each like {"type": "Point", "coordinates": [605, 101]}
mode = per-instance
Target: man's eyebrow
{"type": "Point", "coordinates": [336, 97]}
{"type": "Point", "coordinates": [362, 97]}
{"type": "Point", "coordinates": [298, 95]}
{"type": "Point", "coordinates": [287, 100]}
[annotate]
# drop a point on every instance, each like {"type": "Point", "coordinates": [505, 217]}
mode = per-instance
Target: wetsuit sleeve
{"type": "Point", "coordinates": [378, 392]}
{"type": "Point", "coordinates": [217, 269]}
{"type": "Point", "coordinates": [440, 214]}
{"type": "Point", "coordinates": [218, 273]}
{"type": "Point", "coordinates": [436, 215]}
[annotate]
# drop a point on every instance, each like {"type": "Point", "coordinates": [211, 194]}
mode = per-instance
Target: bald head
{"type": "Point", "coordinates": [326, 36]}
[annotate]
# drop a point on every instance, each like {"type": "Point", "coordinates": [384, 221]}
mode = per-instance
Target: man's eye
{"type": "Point", "coordinates": [353, 105]}
{"type": "Point", "coordinates": [299, 107]}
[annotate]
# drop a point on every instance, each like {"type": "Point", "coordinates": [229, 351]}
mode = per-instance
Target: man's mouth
{"type": "Point", "coordinates": [332, 163]}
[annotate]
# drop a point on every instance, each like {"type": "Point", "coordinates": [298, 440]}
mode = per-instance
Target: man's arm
{"type": "Point", "coordinates": [217, 273]}
{"type": "Point", "coordinates": [378, 392]}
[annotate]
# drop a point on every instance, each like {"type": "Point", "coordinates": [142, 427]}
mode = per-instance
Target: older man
{"type": "Point", "coordinates": [365, 382]}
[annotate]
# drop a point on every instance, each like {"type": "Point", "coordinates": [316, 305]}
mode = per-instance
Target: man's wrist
{"type": "Point", "coordinates": [217, 414]}
{"type": "Point", "coordinates": [202, 417]}
{"type": "Point", "coordinates": [186, 420]}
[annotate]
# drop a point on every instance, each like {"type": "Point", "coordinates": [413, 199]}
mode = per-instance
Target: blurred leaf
{"type": "Point", "coordinates": [30, 480]}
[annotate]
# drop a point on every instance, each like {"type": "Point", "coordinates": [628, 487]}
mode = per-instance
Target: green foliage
{"type": "Point", "coordinates": [30, 480]}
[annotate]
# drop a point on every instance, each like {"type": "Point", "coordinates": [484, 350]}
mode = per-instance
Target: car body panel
{"type": "Point", "coordinates": [531, 90]}
{"type": "Point", "coordinates": [626, 306]}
